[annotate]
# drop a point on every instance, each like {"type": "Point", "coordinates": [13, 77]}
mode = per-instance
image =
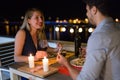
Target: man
{"type": "Point", "coordinates": [103, 47]}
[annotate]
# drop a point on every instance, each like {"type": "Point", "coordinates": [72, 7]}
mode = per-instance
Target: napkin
{"type": "Point", "coordinates": [63, 70]}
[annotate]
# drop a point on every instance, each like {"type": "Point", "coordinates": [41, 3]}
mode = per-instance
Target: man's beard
{"type": "Point", "coordinates": [91, 22]}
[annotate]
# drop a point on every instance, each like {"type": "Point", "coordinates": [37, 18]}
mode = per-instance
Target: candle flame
{"type": "Point", "coordinates": [30, 54]}
{"type": "Point", "coordinates": [44, 57]}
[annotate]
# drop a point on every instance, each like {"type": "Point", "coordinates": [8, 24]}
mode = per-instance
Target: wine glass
{"type": "Point", "coordinates": [43, 44]}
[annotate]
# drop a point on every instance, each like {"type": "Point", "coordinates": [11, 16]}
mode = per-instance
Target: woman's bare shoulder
{"type": "Point", "coordinates": [20, 34]}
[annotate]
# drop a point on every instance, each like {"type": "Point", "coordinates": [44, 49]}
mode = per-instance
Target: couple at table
{"type": "Point", "coordinates": [103, 47]}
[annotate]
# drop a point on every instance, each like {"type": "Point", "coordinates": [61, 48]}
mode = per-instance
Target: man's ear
{"type": "Point", "coordinates": [94, 10]}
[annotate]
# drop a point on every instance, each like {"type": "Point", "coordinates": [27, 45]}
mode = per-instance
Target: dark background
{"type": "Point", "coordinates": [64, 9]}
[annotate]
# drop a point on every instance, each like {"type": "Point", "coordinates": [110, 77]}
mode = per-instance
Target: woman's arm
{"type": "Point", "coordinates": [19, 43]}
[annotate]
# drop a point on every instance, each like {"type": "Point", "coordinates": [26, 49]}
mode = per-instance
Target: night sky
{"type": "Point", "coordinates": [64, 9]}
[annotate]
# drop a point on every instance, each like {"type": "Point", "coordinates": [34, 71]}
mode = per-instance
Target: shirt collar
{"type": "Point", "coordinates": [99, 26]}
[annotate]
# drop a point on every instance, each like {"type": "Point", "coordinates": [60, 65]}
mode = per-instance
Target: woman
{"type": "Point", "coordinates": [28, 37]}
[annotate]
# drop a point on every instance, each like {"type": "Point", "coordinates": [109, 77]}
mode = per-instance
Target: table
{"type": "Point", "coordinates": [15, 72]}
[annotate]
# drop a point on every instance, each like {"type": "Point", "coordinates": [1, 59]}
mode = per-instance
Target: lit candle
{"type": "Point", "coordinates": [45, 64]}
{"type": "Point", "coordinates": [31, 61]}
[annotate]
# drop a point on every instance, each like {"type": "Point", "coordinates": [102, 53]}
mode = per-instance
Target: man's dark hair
{"type": "Point", "coordinates": [101, 5]}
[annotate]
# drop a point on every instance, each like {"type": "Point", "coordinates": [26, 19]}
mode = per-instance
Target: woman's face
{"type": "Point", "coordinates": [36, 21]}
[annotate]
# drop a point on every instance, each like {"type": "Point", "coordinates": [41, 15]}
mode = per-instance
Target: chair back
{"type": "Point", "coordinates": [6, 54]}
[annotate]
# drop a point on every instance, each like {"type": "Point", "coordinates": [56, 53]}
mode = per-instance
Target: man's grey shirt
{"type": "Point", "coordinates": [103, 53]}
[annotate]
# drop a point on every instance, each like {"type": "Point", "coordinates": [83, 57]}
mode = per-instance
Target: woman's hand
{"type": "Point", "coordinates": [59, 47]}
{"type": "Point", "coordinates": [82, 51]}
{"type": "Point", "coordinates": [40, 54]}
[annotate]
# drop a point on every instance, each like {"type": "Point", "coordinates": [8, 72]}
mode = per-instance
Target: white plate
{"type": "Point", "coordinates": [75, 62]}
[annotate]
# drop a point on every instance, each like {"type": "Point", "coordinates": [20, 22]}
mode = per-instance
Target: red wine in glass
{"type": "Point", "coordinates": [43, 44]}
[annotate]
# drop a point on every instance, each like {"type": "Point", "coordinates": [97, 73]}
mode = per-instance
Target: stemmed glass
{"type": "Point", "coordinates": [43, 44]}
{"type": "Point", "coordinates": [42, 47]}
